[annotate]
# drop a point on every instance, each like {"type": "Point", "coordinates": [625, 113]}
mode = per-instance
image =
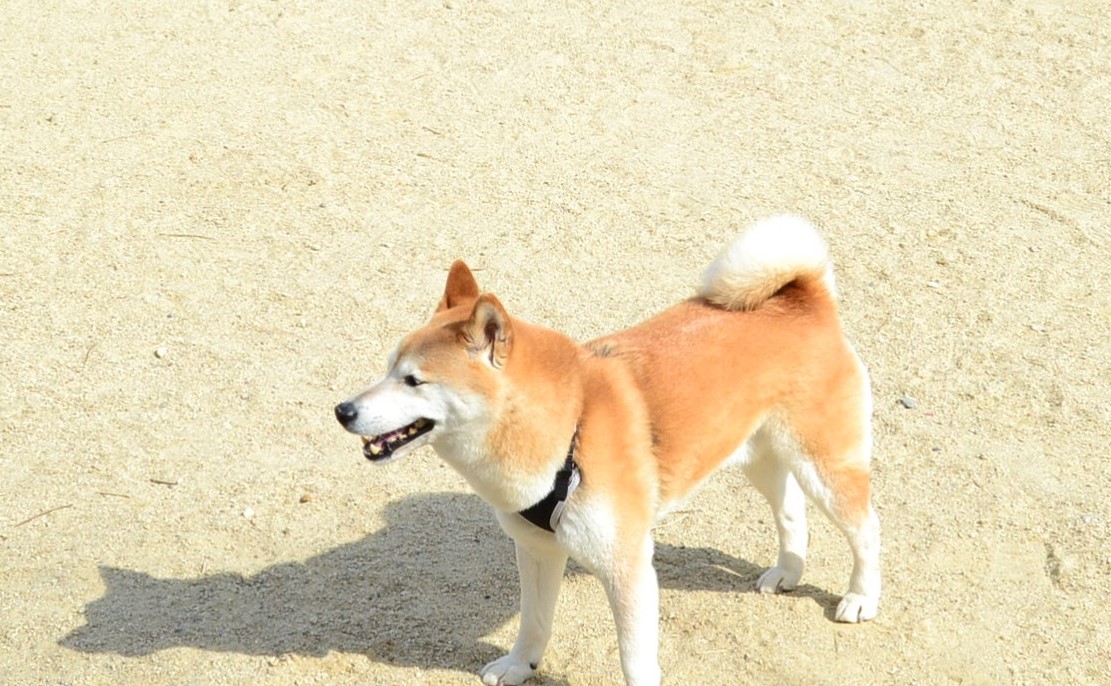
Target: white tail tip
{"type": "Point", "coordinates": [763, 259]}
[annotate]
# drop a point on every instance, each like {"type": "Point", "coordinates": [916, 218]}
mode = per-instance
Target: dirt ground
{"type": "Point", "coordinates": [216, 219]}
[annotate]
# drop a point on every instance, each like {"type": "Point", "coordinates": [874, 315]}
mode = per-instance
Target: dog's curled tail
{"type": "Point", "coordinates": [763, 259]}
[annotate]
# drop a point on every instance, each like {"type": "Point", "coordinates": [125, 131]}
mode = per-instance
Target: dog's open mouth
{"type": "Point", "coordinates": [384, 445]}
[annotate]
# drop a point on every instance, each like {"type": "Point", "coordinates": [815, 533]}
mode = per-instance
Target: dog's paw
{"type": "Point", "coordinates": [507, 671]}
{"type": "Point", "coordinates": [778, 580]}
{"type": "Point", "coordinates": [855, 608]}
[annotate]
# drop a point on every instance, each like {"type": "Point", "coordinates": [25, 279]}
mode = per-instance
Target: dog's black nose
{"type": "Point", "coordinates": [346, 413]}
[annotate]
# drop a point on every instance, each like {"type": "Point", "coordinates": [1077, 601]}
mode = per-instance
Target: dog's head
{"type": "Point", "coordinates": [441, 379]}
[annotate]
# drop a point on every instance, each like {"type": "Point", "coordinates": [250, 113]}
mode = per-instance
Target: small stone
{"type": "Point", "coordinates": [306, 498]}
{"type": "Point", "coordinates": [249, 512]}
{"type": "Point", "coordinates": [161, 352]}
{"type": "Point", "coordinates": [908, 402]}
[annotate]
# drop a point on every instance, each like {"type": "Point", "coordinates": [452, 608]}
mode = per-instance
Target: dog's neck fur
{"type": "Point", "coordinates": [531, 422]}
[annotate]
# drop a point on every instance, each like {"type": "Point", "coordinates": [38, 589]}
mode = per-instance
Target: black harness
{"type": "Point", "coordinates": [546, 513]}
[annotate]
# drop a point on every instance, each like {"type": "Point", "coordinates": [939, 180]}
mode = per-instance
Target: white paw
{"type": "Point", "coordinates": [507, 671]}
{"type": "Point", "coordinates": [778, 580]}
{"type": "Point", "coordinates": [855, 608]}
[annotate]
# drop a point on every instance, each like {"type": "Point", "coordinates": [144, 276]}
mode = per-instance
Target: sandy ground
{"type": "Point", "coordinates": [216, 218]}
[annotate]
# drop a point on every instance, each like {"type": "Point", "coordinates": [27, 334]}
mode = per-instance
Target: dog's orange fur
{"type": "Point", "coordinates": [700, 377]}
{"type": "Point", "coordinates": [710, 376]}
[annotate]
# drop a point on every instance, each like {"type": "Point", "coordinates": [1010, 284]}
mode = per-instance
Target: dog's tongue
{"type": "Point", "coordinates": [378, 444]}
{"type": "Point", "coordinates": [375, 445]}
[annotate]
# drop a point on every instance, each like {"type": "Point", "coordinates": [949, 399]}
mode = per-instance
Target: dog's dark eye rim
{"type": "Point", "coordinates": [412, 381]}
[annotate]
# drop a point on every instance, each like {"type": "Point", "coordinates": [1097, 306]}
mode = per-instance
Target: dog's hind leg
{"type": "Point", "coordinates": [773, 479]}
{"type": "Point", "coordinates": [843, 494]}
{"type": "Point", "coordinates": [541, 572]}
{"type": "Point", "coordinates": [861, 602]}
{"type": "Point", "coordinates": [839, 482]}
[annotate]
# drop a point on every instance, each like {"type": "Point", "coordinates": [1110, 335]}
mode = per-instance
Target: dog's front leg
{"type": "Point", "coordinates": [541, 571]}
{"type": "Point", "coordinates": [634, 596]}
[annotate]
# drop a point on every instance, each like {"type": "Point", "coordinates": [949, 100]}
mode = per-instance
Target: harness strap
{"type": "Point", "coordinates": [547, 513]}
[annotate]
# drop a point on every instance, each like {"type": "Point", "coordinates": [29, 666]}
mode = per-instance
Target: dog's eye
{"type": "Point", "coordinates": [411, 380]}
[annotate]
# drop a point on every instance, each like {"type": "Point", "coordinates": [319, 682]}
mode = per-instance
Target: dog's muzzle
{"type": "Point", "coordinates": [381, 447]}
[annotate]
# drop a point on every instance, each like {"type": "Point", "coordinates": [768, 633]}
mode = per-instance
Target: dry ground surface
{"type": "Point", "coordinates": [216, 219]}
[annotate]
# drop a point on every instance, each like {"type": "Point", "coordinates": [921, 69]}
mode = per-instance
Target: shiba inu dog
{"type": "Point", "coordinates": [580, 449]}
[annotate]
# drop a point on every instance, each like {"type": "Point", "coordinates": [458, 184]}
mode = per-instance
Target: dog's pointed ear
{"type": "Point", "coordinates": [460, 288]}
{"type": "Point", "coordinates": [489, 332]}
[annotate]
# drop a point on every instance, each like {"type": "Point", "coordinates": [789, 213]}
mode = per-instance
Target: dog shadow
{"type": "Point", "coordinates": [708, 569]}
{"type": "Point", "coordinates": [423, 592]}
{"type": "Point", "coordinates": [399, 596]}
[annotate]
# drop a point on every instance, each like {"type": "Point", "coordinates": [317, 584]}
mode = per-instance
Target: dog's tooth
{"type": "Point", "coordinates": [375, 448]}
